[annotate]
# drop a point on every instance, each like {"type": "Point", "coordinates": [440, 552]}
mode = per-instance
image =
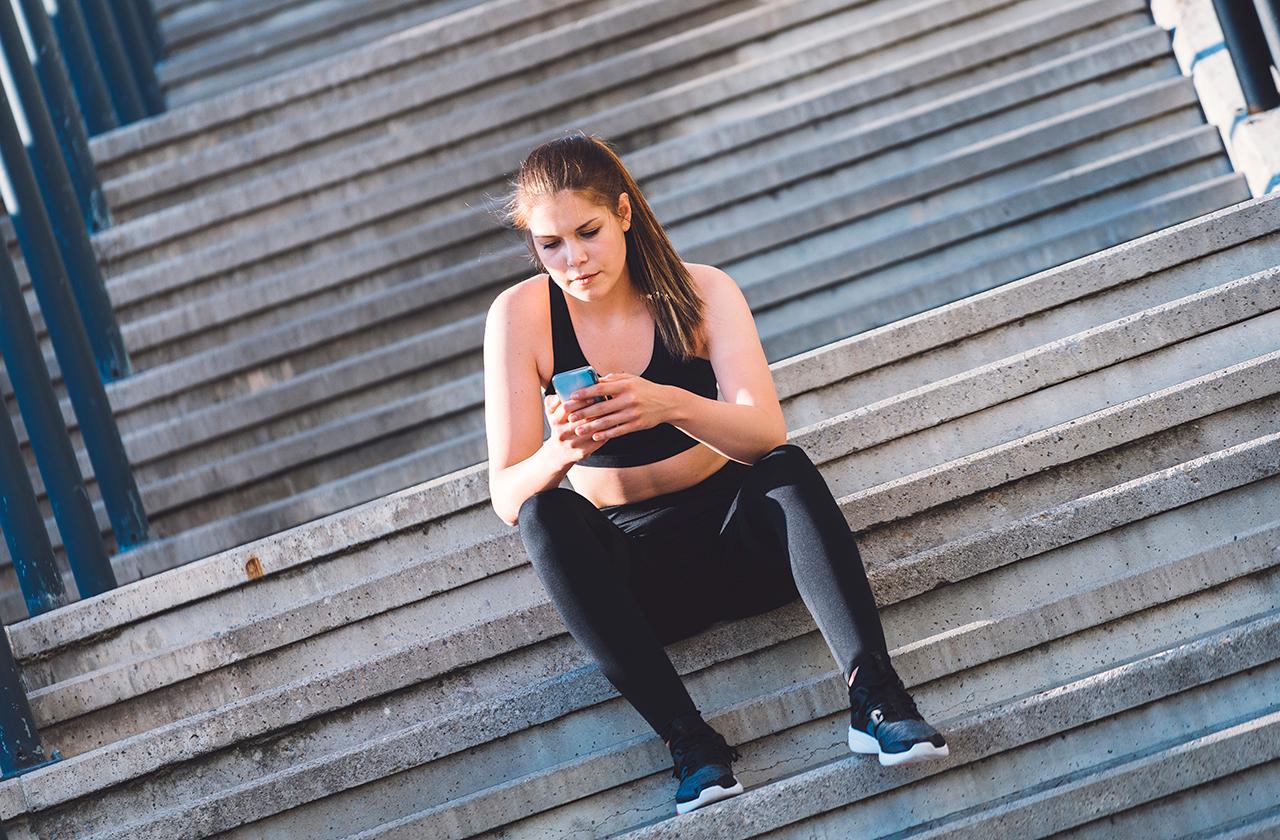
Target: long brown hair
{"type": "Point", "coordinates": [588, 164]}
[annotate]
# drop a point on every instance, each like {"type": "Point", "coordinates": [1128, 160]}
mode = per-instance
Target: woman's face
{"type": "Point", "coordinates": [582, 244]}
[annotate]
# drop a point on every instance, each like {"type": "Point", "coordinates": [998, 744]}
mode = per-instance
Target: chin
{"type": "Point", "coordinates": [591, 290]}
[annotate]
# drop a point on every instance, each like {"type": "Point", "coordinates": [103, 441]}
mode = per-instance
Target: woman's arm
{"type": "Point", "coordinates": [521, 463]}
{"type": "Point", "coordinates": [749, 422]}
{"type": "Point", "coordinates": [744, 427]}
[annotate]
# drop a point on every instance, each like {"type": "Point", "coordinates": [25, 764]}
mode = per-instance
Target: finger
{"type": "Point", "coordinates": [585, 410]}
{"type": "Point", "coordinates": [599, 411]}
{"type": "Point", "coordinates": [613, 431]}
{"type": "Point", "coordinates": [606, 424]}
{"type": "Point", "coordinates": [576, 405]}
{"type": "Point", "coordinates": [600, 389]}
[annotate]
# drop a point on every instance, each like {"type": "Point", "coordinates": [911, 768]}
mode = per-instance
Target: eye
{"type": "Point", "coordinates": [590, 233]}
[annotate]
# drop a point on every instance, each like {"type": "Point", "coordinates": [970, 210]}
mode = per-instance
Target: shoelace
{"type": "Point", "coordinates": [703, 746]}
{"type": "Point", "coordinates": [890, 694]}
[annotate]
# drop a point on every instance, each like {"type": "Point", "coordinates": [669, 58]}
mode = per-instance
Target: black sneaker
{"type": "Point", "coordinates": [884, 720]}
{"type": "Point", "coordinates": [702, 764]}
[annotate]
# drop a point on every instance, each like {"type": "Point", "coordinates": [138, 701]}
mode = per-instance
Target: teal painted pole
{"type": "Point", "coordinates": [72, 507]}
{"type": "Point", "coordinates": [138, 51]}
{"type": "Point", "coordinates": [65, 114]}
{"type": "Point", "coordinates": [20, 517]}
{"type": "Point", "coordinates": [59, 199]}
{"type": "Point", "coordinates": [82, 64]}
{"type": "Point", "coordinates": [151, 25]}
{"type": "Point", "coordinates": [112, 59]}
{"type": "Point", "coordinates": [66, 331]}
{"type": "Point", "coordinates": [20, 749]}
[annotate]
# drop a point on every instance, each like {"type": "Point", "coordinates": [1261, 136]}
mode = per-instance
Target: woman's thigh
{"type": "Point", "coordinates": [752, 558]}
{"type": "Point", "coordinates": [674, 582]}
{"type": "Point", "coordinates": [721, 568]}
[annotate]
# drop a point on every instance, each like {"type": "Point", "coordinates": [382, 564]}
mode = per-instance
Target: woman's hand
{"type": "Point", "coordinates": [635, 403]}
{"type": "Point", "coordinates": [568, 445]}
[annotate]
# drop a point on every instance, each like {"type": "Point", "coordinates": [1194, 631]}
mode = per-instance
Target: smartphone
{"type": "Point", "coordinates": [573, 380]}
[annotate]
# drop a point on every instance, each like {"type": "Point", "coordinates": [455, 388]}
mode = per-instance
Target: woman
{"type": "Point", "coordinates": [685, 509]}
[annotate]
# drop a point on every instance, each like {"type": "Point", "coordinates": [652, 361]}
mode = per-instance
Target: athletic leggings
{"type": "Point", "coordinates": [628, 579]}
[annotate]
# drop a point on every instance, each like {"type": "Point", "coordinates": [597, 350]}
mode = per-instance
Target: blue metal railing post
{"type": "Point", "coordinates": [71, 346]}
{"type": "Point", "coordinates": [20, 749]}
{"type": "Point", "coordinates": [20, 516]}
{"type": "Point", "coordinates": [112, 59]}
{"type": "Point", "coordinates": [82, 64]}
{"type": "Point", "coordinates": [138, 51]}
{"type": "Point", "coordinates": [1250, 56]}
{"type": "Point", "coordinates": [65, 113]}
{"type": "Point", "coordinates": [72, 507]}
{"type": "Point", "coordinates": [60, 203]}
{"type": "Point", "coordinates": [1269, 17]}
{"type": "Point", "coordinates": [151, 25]}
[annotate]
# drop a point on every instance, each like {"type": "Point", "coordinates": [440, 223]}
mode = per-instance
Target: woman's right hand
{"type": "Point", "coordinates": [568, 446]}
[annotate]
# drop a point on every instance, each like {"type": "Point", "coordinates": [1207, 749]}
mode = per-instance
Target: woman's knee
{"type": "Point", "coordinates": [788, 460]}
{"type": "Point", "coordinates": [546, 509]}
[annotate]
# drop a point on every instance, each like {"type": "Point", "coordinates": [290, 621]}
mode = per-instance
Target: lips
{"type": "Point", "coordinates": [584, 278]}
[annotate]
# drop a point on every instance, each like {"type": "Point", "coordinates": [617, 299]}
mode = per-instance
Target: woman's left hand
{"type": "Point", "coordinates": [635, 403]}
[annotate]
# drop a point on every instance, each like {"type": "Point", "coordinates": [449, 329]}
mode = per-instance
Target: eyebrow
{"type": "Point", "coordinates": [580, 227]}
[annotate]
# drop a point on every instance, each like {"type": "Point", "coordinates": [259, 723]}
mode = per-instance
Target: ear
{"type": "Point", "coordinates": [624, 210]}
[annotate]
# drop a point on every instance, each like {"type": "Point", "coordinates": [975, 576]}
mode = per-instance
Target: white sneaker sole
{"type": "Point", "coordinates": [863, 744]}
{"type": "Point", "coordinates": [710, 794]}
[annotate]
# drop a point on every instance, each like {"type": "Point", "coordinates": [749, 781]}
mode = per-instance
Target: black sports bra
{"type": "Point", "coordinates": [647, 445]}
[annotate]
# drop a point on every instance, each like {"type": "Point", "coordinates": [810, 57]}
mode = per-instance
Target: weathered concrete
{"type": "Point", "coordinates": [935, 328]}
{"type": "Point", "coordinates": [924, 657]}
{"type": "Point", "coordinates": [1216, 809]}
{"type": "Point", "coordinates": [980, 735]}
{"type": "Point", "coordinates": [247, 107]}
{"type": "Point", "coordinates": [330, 608]}
{"type": "Point", "coordinates": [971, 317]}
{"type": "Point", "coordinates": [291, 40]}
{"type": "Point", "coordinates": [1247, 549]}
{"type": "Point", "coordinates": [263, 491]}
{"type": "Point", "coordinates": [1185, 755]}
{"type": "Point", "coordinates": [531, 58]}
{"type": "Point", "coordinates": [1057, 361]}
{"type": "Point", "coordinates": [1047, 480]}
{"type": "Point", "coordinates": [175, 273]}
{"type": "Point", "coordinates": [835, 313]}
{"type": "Point", "coordinates": [1047, 40]}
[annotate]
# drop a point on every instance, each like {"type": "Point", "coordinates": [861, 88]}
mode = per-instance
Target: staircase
{"type": "Point", "coordinates": [1065, 490]}
{"type": "Point", "coordinates": [302, 265]}
{"type": "Point", "coordinates": [1060, 454]}
{"type": "Point", "coordinates": [215, 46]}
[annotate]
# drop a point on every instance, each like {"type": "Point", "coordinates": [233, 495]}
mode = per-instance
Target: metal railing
{"type": "Point", "coordinates": [1251, 31]}
{"type": "Point", "coordinates": [71, 69]}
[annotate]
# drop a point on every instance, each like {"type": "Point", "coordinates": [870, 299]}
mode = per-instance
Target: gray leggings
{"type": "Point", "coordinates": [628, 579]}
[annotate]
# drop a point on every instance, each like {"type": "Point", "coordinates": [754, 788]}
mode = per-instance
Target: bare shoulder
{"type": "Point", "coordinates": [521, 311]}
{"type": "Point", "coordinates": [724, 305]}
{"type": "Point", "coordinates": [713, 284]}
{"type": "Point", "coordinates": [518, 325]}
{"type": "Point", "coordinates": [521, 299]}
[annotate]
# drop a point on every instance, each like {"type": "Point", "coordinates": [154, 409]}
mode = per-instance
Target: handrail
{"type": "Point", "coordinates": [1247, 45]}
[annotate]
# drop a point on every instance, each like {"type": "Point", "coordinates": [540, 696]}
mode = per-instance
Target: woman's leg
{"type": "Point", "coordinates": [785, 523]}
{"type": "Point", "coordinates": [585, 562]}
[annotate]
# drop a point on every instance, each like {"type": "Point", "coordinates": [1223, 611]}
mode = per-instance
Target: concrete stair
{"type": "Point", "coordinates": [218, 45]}
{"type": "Point", "coordinates": [1065, 489]}
{"type": "Point", "coordinates": [304, 280]}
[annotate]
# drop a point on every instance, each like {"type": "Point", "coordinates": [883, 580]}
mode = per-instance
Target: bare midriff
{"type": "Point", "coordinates": [605, 486]}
